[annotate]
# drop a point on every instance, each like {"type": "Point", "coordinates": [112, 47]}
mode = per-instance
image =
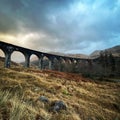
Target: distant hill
{"type": "Point", "coordinates": [114, 50]}
{"type": "Point", "coordinates": [70, 55]}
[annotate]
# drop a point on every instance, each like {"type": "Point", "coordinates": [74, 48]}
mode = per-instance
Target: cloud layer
{"type": "Point", "coordinates": [70, 26]}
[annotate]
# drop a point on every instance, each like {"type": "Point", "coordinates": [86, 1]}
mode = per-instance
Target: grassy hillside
{"type": "Point", "coordinates": [85, 99]}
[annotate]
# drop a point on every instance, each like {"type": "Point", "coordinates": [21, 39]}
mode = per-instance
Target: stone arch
{"type": "Point", "coordinates": [2, 53]}
{"type": "Point", "coordinates": [45, 62]}
{"type": "Point", "coordinates": [56, 63]}
{"type": "Point", "coordinates": [17, 58]}
{"type": "Point", "coordinates": [69, 61]}
{"type": "Point", "coordinates": [74, 61]}
{"type": "Point", "coordinates": [2, 58]}
{"type": "Point", "coordinates": [68, 65]}
{"type": "Point", "coordinates": [7, 52]}
{"type": "Point", "coordinates": [62, 63]}
{"type": "Point", "coordinates": [62, 60]}
{"type": "Point", "coordinates": [34, 61]}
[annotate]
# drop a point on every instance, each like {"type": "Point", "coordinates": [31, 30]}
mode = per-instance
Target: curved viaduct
{"type": "Point", "coordinates": [8, 49]}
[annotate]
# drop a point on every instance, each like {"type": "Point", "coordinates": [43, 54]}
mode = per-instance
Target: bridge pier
{"type": "Point", "coordinates": [40, 63]}
{"type": "Point", "coordinates": [59, 65]}
{"type": "Point", "coordinates": [8, 51]}
{"type": "Point", "coordinates": [51, 63]}
{"type": "Point", "coordinates": [7, 60]}
{"type": "Point", "coordinates": [27, 59]}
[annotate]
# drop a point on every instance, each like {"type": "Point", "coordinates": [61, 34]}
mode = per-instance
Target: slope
{"type": "Point", "coordinates": [85, 99]}
{"type": "Point", "coordinates": [114, 50]}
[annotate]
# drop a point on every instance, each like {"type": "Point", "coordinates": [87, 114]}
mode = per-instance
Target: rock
{"type": "Point", "coordinates": [58, 105]}
{"type": "Point", "coordinates": [38, 117]}
{"type": "Point", "coordinates": [44, 99]}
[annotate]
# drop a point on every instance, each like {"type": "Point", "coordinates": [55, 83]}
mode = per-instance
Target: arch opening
{"type": "Point", "coordinates": [2, 58]}
{"type": "Point", "coordinates": [56, 64]}
{"type": "Point", "coordinates": [34, 61]}
{"type": "Point", "coordinates": [62, 64]}
{"type": "Point", "coordinates": [17, 59]}
{"type": "Point", "coordinates": [45, 63]}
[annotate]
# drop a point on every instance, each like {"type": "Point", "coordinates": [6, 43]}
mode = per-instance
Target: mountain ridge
{"type": "Point", "coordinates": [115, 50]}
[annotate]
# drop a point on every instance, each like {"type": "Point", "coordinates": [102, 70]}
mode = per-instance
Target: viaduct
{"type": "Point", "coordinates": [8, 49]}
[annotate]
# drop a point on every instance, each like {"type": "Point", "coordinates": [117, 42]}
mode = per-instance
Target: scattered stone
{"type": "Point", "coordinates": [44, 99]}
{"type": "Point", "coordinates": [38, 117]}
{"type": "Point", "coordinates": [58, 105]}
{"type": "Point", "coordinates": [55, 106]}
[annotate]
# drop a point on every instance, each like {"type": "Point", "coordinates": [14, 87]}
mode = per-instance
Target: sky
{"type": "Point", "coordinates": [67, 26]}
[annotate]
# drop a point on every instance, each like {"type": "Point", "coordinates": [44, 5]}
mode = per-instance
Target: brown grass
{"type": "Point", "coordinates": [84, 98]}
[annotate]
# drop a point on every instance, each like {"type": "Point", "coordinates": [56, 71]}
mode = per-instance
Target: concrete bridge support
{"type": "Point", "coordinates": [7, 60]}
{"type": "Point", "coordinates": [40, 63]}
{"type": "Point", "coordinates": [59, 65]}
{"type": "Point", "coordinates": [27, 59]}
{"type": "Point", "coordinates": [8, 51]}
{"type": "Point", "coordinates": [51, 63]}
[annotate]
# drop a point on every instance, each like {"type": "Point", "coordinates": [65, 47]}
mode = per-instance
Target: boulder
{"type": "Point", "coordinates": [43, 99]}
{"type": "Point", "coordinates": [58, 105]}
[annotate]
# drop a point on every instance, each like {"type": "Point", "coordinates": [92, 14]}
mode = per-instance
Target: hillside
{"type": "Point", "coordinates": [114, 50]}
{"type": "Point", "coordinates": [21, 91]}
{"type": "Point", "coordinates": [70, 55]}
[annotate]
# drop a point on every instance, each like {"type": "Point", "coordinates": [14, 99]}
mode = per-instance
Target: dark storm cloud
{"type": "Point", "coordinates": [33, 14]}
{"type": "Point", "coordinates": [7, 23]}
{"type": "Point", "coordinates": [67, 25]}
